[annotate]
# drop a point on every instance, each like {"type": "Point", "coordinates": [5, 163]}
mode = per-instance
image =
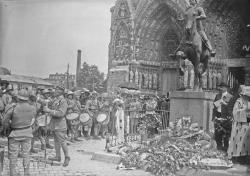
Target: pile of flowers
{"type": "Point", "coordinates": [166, 155]}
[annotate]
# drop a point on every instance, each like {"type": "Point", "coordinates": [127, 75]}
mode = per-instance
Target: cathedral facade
{"type": "Point", "coordinates": [144, 33]}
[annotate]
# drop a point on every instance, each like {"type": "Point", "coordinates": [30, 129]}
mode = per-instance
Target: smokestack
{"type": "Point", "coordinates": [78, 66]}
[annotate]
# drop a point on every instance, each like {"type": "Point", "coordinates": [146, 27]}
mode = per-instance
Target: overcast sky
{"type": "Point", "coordinates": [39, 37]}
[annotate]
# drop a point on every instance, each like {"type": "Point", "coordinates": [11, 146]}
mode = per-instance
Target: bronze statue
{"type": "Point", "coordinates": [200, 15]}
{"type": "Point", "coordinates": [196, 46]}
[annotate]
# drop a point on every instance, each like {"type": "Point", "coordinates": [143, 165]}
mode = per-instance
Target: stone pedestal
{"type": "Point", "coordinates": [197, 105]}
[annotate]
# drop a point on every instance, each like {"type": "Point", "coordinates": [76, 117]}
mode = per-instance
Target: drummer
{"type": "Point", "coordinates": [92, 108]}
{"type": "Point", "coordinates": [77, 95]}
{"type": "Point", "coordinates": [84, 97]}
{"type": "Point", "coordinates": [73, 125]}
{"type": "Point", "coordinates": [39, 131]}
{"type": "Point", "coordinates": [105, 108]}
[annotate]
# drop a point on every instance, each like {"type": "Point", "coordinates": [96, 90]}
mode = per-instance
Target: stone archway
{"type": "Point", "coordinates": [157, 34]}
{"type": "Point", "coordinates": [152, 24]}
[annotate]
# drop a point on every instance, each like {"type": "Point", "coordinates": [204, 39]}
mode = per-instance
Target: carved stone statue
{"type": "Point", "coordinates": [146, 80]}
{"type": "Point", "coordinates": [131, 76]}
{"type": "Point", "coordinates": [219, 78]}
{"type": "Point", "coordinates": [155, 80]}
{"type": "Point", "coordinates": [214, 79]}
{"type": "Point", "coordinates": [140, 80]}
{"type": "Point", "coordinates": [150, 81]}
{"type": "Point", "coordinates": [210, 80]}
{"type": "Point", "coordinates": [136, 77]}
{"type": "Point", "coordinates": [127, 77]}
{"type": "Point", "coordinates": [204, 80]}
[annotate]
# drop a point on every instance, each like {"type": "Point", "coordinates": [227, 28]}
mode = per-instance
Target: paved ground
{"type": "Point", "coordinates": [80, 164]}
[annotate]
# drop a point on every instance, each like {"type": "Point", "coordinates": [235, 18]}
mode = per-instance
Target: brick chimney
{"type": "Point", "coordinates": [78, 66]}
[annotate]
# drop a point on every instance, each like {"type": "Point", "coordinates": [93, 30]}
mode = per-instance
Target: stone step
{"type": "Point", "coordinates": [106, 157]}
{"type": "Point", "coordinates": [199, 172]}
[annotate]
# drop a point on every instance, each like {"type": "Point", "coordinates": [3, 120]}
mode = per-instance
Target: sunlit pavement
{"type": "Point", "coordinates": [80, 163]}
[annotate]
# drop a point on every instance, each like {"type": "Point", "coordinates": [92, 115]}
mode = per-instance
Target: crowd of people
{"type": "Point", "coordinates": [30, 114]}
{"type": "Point", "coordinates": [27, 115]}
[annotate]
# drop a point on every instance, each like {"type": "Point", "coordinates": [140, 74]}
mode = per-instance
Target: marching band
{"type": "Point", "coordinates": [66, 115]}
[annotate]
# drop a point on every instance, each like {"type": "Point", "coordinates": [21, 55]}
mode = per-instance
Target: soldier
{"type": "Point", "coordinates": [84, 97]}
{"type": "Point", "coordinates": [1, 102]}
{"type": "Point", "coordinates": [73, 107]}
{"type": "Point", "coordinates": [20, 115]}
{"type": "Point", "coordinates": [58, 124]}
{"type": "Point", "coordinates": [105, 108]}
{"type": "Point", "coordinates": [78, 108]}
{"type": "Point", "coordinates": [200, 15]}
{"type": "Point", "coordinates": [7, 96]}
{"type": "Point", "coordinates": [92, 107]}
{"type": "Point", "coordinates": [41, 132]}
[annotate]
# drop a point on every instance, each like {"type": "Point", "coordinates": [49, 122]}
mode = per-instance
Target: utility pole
{"type": "Point", "coordinates": [67, 76]}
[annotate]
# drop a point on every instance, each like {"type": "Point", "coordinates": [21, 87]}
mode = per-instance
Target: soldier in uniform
{"type": "Point", "coordinates": [105, 108]}
{"type": "Point", "coordinates": [58, 124]}
{"type": "Point", "coordinates": [200, 15]}
{"type": "Point", "coordinates": [92, 107]}
{"type": "Point", "coordinates": [41, 132]}
{"type": "Point", "coordinates": [84, 97]}
{"type": "Point", "coordinates": [7, 96]}
{"type": "Point", "coordinates": [18, 118]}
{"type": "Point", "coordinates": [73, 107]}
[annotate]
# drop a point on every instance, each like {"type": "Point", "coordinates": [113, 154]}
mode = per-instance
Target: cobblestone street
{"type": "Point", "coordinates": [80, 164]}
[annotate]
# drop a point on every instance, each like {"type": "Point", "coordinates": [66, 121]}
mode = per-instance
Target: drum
{"type": "Point", "coordinates": [41, 120]}
{"type": "Point", "coordinates": [73, 118]}
{"type": "Point", "coordinates": [84, 118]}
{"type": "Point", "coordinates": [101, 117]}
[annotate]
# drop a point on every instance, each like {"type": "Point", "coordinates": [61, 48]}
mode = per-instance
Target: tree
{"type": "Point", "coordinates": [91, 78]}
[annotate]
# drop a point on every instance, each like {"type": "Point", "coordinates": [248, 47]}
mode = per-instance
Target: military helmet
{"type": "Point", "coordinates": [23, 95]}
{"type": "Point", "coordinates": [46, 91]}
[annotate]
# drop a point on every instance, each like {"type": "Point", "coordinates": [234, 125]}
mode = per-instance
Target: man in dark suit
{"type": "Point", "coordinates": [222, 118]}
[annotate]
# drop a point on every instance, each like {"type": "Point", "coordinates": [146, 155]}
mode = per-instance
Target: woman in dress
{"type": "Point", "coordinates": [239, 146]}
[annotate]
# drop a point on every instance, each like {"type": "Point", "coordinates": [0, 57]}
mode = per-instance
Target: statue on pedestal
{"type": "Point", "coordinates": [196, 46]}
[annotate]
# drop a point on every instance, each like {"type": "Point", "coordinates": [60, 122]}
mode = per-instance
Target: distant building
{"type": "Point", "coordinates": [21, 81]}
{"type": "Point", "coordinates": [61, 79]}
